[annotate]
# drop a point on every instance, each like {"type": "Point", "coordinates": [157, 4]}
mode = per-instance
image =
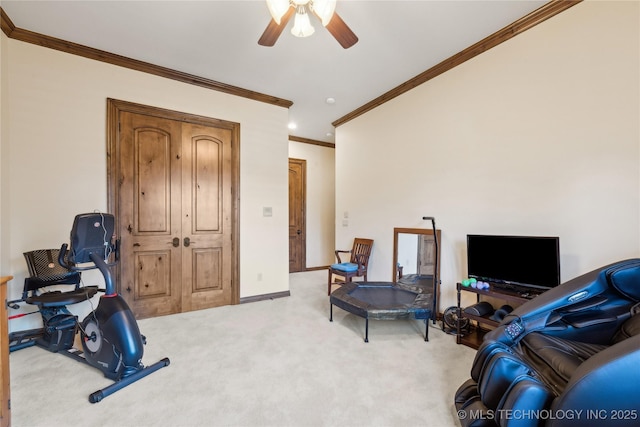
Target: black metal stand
{"type": "Point", "coordinates": [436, 278]}
{"type": "Point", "coordinates": [97, 396]}
{"type": "Point", "coordinates": [366, 329]}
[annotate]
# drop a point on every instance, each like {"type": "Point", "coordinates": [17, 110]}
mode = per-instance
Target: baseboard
{"type": "Point", "coordinates": [322, 267]}
{"type": "Point", "coordinates": [263, 297]}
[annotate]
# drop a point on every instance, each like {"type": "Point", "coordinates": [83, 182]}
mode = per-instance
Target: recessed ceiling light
{"type": "Point", "coordinates": [330, 101]}
{"type": "Point", "coordinates": [292, 126]}
{"type": "Point", "coordinates": [329, 134]}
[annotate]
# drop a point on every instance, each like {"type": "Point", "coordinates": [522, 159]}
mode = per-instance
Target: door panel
{"type": "Point", "coordinates": [207, 269]}
{"type": "Point", "coordinates": [152, 186]}
{"type": "Point", "coordinates": [152, 274]}
{"type": "Point", "coordinates": [207, 164]}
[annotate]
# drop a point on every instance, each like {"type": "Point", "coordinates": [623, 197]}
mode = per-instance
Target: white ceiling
{"type": "Point", "coordinates": [218, 40]}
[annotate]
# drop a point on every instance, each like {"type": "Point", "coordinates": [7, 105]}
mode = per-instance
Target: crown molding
{"type": "Point", "coordinates": [6, 25]}
{"type": "Point", "coordinates": [27, 36]}
{"type": "Point", "coordinates": [536, 17]}
{"type": "Point", "coordinates": [311, 141]}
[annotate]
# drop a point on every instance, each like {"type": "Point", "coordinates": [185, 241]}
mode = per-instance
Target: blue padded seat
{"type": "Point", "coordinates": [345, 266]}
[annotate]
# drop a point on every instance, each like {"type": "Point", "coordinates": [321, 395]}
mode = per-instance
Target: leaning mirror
{"type": "Point", "coordinates": [414, 259]}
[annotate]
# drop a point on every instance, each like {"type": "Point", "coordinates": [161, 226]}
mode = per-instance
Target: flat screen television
{"type": "Point", "coordinates": [514, 261]}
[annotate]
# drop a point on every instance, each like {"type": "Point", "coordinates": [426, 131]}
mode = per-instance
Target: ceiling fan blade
{"type": "Point", "coordinates": [273, 30]}
{"type": "Point", "coordinates": [341, 32]}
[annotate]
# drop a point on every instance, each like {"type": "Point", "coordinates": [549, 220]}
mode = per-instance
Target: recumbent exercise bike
{"type": "Point", "coordinates": [111, 339]}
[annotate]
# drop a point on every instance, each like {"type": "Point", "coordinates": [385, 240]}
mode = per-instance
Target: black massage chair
{"type": "Point", "coordinates": [569, 357]}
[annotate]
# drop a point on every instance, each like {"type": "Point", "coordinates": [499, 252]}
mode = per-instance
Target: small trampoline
{"type": "Point", "coordinates": [409, 298]}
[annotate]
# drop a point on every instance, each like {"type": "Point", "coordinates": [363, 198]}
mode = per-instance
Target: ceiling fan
{"type": "Point", "coordinates": [283, 10]}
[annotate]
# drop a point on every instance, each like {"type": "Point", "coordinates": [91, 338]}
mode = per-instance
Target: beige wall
{"type": "Point", "coordinates": [54, 146]}
{"type": "Point", "coordinates": [538, 136]}
{"type": "Point", "coordinates": [320, 201]}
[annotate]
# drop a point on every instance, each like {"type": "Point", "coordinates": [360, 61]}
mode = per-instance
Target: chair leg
{"type": "Point", "coordinates": [329, 289]}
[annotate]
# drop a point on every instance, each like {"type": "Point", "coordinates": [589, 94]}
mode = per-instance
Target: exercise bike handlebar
{"type": "Point", "coordinates": [62, 257]}
{"type": "Point", "coordinates": [110, 287]}
{"type": "Point", "coordinates": [98, 262]}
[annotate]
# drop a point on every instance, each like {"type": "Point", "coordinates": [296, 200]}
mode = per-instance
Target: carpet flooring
{"type": "Point", "coordinates": [276, 362]}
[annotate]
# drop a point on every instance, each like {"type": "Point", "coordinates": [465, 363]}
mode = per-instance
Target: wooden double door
{"type": "Point", "coordinates": [173, 178]}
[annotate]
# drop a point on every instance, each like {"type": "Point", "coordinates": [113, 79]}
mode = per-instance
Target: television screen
{"type": "Point", "coordinates": [514, 260]}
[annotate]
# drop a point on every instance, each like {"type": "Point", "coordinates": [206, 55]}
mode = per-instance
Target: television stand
{"type": "Point", "coordinates": [483, 324]}
{"type": "Point", "coordinates": [524, 292]}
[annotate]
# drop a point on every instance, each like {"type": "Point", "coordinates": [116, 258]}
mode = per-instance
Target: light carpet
{"type": "Point", "coordinates": [276, 362]}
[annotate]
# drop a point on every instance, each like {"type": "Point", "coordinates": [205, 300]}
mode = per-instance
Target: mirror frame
{"type": "Point", "coordinates": [419, 231]}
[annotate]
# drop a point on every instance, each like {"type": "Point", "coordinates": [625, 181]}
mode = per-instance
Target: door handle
{"type": "Point", "coordinates": [187, 242]}
{"type": "Point", "coordinates": [176, 242]}
{"type": "Point", "coordinates": [298, 232]}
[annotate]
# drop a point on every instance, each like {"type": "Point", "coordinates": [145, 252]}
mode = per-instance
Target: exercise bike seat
{"type": "Point", "coordinates": [60, 299]}
{"type": "Point", "coordinates": [45, 271]}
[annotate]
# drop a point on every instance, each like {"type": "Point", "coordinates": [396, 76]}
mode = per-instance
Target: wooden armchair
{"type": "Point", "coordinates": [357, 265]}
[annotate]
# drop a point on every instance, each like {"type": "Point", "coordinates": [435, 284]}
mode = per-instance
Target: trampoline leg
{"type": "Point", "coordinates": [366, 330]}
{"type": "Point", "coordinates": [330, 312]}
{"type": "Point", "coordinates": [426, 329]}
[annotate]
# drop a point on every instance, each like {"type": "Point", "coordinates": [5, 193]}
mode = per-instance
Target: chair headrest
{"type": "Point", "coordinates": [625, 278]}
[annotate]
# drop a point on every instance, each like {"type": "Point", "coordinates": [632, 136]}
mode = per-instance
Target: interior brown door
{"type": "Point", "coordinates": [297, 215]}
{"type": "Point", "coordinates": [149, 219]}
{"type": "Point", "coordinates": [175, 214]}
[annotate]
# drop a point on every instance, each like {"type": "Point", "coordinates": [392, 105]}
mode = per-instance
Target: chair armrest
{"type": "Point", "coordinates": [361, 260]}
{"type": "Point", "coordinates": [608, 381]}
{"type": "Point", "coordinates": [338, 255]}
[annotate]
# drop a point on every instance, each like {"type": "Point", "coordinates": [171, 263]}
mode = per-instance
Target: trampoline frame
{"type": "Point", "coordinates": [420, 308]}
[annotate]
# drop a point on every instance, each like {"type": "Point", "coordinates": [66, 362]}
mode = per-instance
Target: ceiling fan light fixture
{"type": "Point", "coordinates": [324, 10]}
{"type": "Point", "coordinates": [302, 25]}
{"type": "Point", "coordinates": [278, 8]}
{"type": "Point", "coordinates": [283, 10]}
